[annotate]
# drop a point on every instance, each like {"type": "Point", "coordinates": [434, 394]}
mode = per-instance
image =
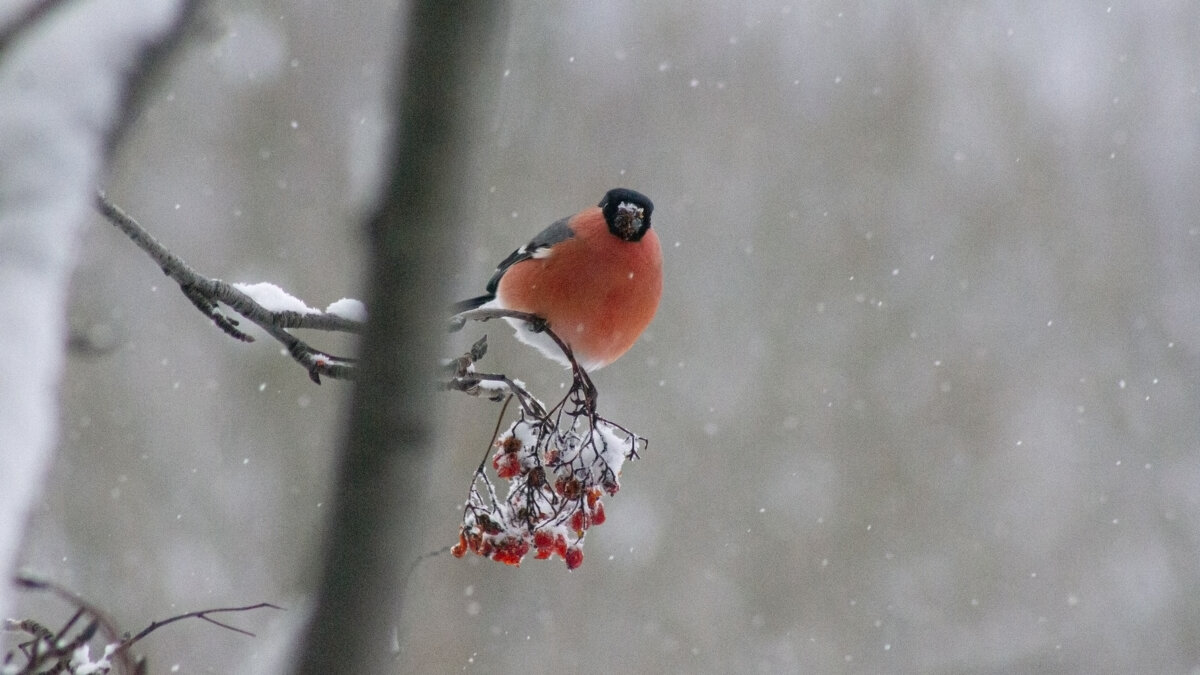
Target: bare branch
{"type": "Point", "coordinates": [201, 614]}
{"type": "Point", "coordinates": [48, 647]}
{"type": "Point", "coordinates": [208, 294]}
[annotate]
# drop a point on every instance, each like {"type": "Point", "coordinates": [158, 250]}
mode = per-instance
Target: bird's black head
{"type": "Point", "coordinates": [627, 213]}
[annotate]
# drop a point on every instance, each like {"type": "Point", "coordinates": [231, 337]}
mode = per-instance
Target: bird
{"type": "Point", "coordinates": [594, 278]}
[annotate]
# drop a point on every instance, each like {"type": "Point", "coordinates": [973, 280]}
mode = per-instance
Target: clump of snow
{"type": "Point", "coordinates": [348, 308]}
{"type": "Point", "coordinates": [609, 450]}
{"type": "Point", "coordinates": [498, 386]}
{"type": "Point", "coordinates": [82, 663]}
{"type": "Point", "coordinates": [274, 299]}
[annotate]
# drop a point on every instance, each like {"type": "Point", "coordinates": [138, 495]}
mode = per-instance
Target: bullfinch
{"type": "Point", "coordinates": [595, 278]}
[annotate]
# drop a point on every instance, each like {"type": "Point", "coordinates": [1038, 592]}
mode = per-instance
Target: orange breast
{"type": "Point", "coordinates": [597, 291]}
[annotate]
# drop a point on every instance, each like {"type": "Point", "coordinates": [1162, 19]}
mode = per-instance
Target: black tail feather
{"type": "Point", "coordinates": [471, 303]}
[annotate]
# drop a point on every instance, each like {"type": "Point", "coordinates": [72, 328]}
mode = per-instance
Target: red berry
{"type": "Point", "coordinates": [507, 465]}
{"type": "Point", "coordinates": [574, 558]}
{"type": "Point", "coordinates": [569, 487]}
{"type": "Point", "coordinates": [460, 549]}
{"type": "Point", "coordinates": [543, 541]}
{"type": "Point", "coordinates": [580, 521]}
{"type": "Point", "coordinates": [510, 551]}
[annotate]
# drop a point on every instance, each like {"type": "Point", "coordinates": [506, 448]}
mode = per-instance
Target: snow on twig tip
{"type": "Point", "coordinates": [348, 308]}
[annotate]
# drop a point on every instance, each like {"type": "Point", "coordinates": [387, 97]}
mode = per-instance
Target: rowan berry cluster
{"type": "Point", "coordinates": [556, 474]}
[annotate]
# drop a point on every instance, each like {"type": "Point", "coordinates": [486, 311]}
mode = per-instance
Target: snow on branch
{"type": "Point", "coordinates": [263, 304]}
{"type": "Point", "coordinates": [559, 461]}
{"type": "Point", "coordinates": [68, 650]}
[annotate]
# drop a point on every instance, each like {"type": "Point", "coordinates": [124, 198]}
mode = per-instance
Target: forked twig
{"type": "Point", "coordinates": [200, 614]}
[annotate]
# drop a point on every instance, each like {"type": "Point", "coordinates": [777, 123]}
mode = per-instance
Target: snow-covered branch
{"type": "Point", "coordinates": [264, 304]}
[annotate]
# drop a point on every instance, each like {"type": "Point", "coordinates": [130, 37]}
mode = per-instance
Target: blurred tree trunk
{"type": "Point", "coordinates": [371, 534]}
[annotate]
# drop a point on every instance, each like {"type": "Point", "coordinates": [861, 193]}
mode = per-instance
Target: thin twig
{"type": "Point", "coordinates": [495, 434]}
{"type": "Point", "coordinates": [207, 294]}
{"type": "Point", "coordinates": [201, 614]}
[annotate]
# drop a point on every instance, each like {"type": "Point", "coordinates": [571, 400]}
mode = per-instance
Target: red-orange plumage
{"type": "Point", "coordinates": [597, 291]}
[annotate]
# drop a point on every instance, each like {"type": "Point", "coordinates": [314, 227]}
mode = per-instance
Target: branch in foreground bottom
{"type": "Point", "coordinates": [208, 294]}
{"type": "Point", "coordinates": [68, 651]}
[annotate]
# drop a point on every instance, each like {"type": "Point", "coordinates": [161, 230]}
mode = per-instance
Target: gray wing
{"type": "Point", "coordinates": [559, 231]}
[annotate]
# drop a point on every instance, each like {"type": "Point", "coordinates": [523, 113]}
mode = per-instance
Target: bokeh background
{"type": "Point", "coordinates": [921, 396]}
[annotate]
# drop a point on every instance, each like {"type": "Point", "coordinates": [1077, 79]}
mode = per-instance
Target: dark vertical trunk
{"type": "Point", "coordinates": [371, 532]}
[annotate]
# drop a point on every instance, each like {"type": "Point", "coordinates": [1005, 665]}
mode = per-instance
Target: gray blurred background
{"type": "Point", "coordinates": [921, 395]}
